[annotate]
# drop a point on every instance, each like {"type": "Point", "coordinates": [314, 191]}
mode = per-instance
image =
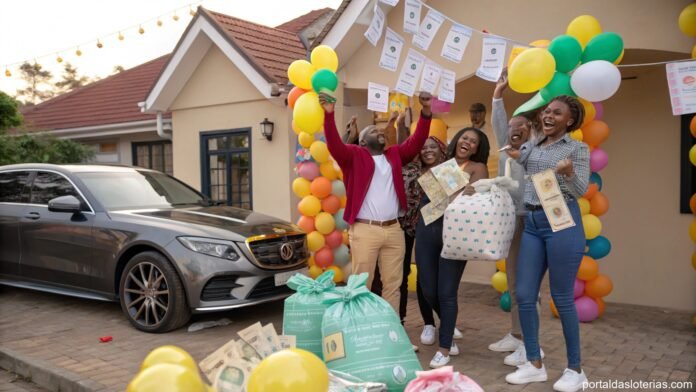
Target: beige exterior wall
{"type": "Point", "coordinates": [650, 261]}
{"type": "Point", "coordinates": [219, 97]}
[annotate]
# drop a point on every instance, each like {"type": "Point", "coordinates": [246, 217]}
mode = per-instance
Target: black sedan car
{"type": "Point", "coordinates": [140, 237]}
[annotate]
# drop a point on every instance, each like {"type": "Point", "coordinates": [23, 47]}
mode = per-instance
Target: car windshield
{"type": "Point", "coordinates": [139, 190]}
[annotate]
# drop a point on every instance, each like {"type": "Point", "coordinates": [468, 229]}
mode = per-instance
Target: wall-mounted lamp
{"type": "Point", "coordinates": [267, 129]}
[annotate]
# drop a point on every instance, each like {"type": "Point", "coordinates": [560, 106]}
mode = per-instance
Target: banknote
{"type": "Point", "coordinates": [269, 333]}
{"type": "Point", "coordinates": [233, 376]}
{"type": "Point", "coordinates": [213, 363]}
{"type": "Point", "coordinates": [254, 335]}
{"type": "Point", "coordinates": [288, 341]}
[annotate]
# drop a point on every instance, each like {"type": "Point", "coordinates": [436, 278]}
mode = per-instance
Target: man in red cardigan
{"type": "Point", "coordinates": [376, 195]}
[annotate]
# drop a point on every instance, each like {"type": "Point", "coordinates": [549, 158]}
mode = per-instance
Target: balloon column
{"type": "Point", "coordinates": [500, 284]}
{"type": "Point", "coordinates": [319, 184]}
{"type": "Point", "coordinates": [591, 56]}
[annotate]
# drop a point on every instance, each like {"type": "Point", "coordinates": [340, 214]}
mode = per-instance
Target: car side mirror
{"type": "Point", "coordinates": [65, 204]}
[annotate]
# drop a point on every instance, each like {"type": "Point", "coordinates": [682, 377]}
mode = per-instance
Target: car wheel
{"type": "Point", "coordinates": [152, 296]}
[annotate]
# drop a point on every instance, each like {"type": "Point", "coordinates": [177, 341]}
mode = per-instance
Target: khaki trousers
{"type": "Point", "coordinates": [370, 243]}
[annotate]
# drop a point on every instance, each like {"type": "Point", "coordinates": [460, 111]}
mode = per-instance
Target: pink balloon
{"type": "Point", "coordinates": [599, 110]}
{"type": "Point", "coordinates": [334, 239]}
{"type": "Point", "coordinates": [587, 308]}
{"type": "Point", "coordinates": [598, 159]}
{"type": "Point", "coordinates": [578, 288]}
{"type": "Point", "coordinates": [308, 170]}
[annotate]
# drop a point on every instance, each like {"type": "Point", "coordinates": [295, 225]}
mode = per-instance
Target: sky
{"type": "Point", "coordinates": [46, 29]}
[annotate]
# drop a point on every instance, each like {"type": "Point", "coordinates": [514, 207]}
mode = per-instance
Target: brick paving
{"type": "Point", "coordinates": [628, 343]}
{"type": "Point", "coordinates": [10, 382]}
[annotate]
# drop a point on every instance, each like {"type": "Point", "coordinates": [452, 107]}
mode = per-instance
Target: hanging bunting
{"type": "Point", "coordinates": [377, 97]}
{"type": "Point", "coordinates": [492, 58]}
{"type": "Point", "coordinates": [456, 43]}
{"type": "Point", "coordinates": [412, 11]}
{"type": "Point", "coordinates": [430, 77]}
{"type": "Point", "coordinates": [447, 83]}
{"type": "Point", "coordinates": [410, 70]}
{"type": "Point", "coordinates": [391, 3]}
{"type": "Point", "coordinates": [374, 31]}
{"type": "Point", "coordinates": [681, 78]}
{"type": "Point", "coordinates": [391, 51]}
{"type": "Point", "coordinates": [428, 29]}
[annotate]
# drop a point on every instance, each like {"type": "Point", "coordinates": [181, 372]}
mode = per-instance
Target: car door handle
{"type": "Point", "coordinates": [32, 215]}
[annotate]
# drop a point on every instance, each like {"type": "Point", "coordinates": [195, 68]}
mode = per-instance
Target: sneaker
{"type": "Point", "coordinates": [439, 360]}
{"type": "Point", "coordinates": [570, 381]}
{"type": "Point", "coordinates": [457, 334]}
{"type": "Point", "coordinates": [519, 357]}
{"type": "Point", "coordinates": [507, 343]}
{"type": "Point", "coordinates": [454, 350]}
{"type": "Point", "coordinates": [415, 348]}
{"type": "Point", "coordinates": [428, 335]}
{"type": "Point", "coordinates": [527, 373]}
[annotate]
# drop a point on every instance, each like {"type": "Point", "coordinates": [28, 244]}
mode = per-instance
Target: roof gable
{"type": "Point", "coordinates": [301, 22]}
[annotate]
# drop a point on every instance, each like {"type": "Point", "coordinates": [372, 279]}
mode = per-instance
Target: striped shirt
{"type": "Point", "coordinates": [537, 158]}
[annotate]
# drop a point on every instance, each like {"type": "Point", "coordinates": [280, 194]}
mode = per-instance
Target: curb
{"type": "Point", "coordinates": [45, 374]}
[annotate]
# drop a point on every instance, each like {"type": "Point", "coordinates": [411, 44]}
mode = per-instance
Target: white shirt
{"type": "Point", "coordinates": [381, 202]}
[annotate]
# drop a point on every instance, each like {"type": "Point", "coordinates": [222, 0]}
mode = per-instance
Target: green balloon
{"type": "Point", "coordinates": [323, 80]}
{"type": "Point", "coordinates": [604, 46]}
{"type": "Point", "coordinates": [566, 50]}
{"type": "Point", "coordinates": [535, 102]}
{"type": "Point", "coordinates": [505, 301]}
{"type": "Point", "coordinates": [559, 85]}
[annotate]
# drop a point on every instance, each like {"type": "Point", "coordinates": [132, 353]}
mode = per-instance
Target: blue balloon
{"type": "Point", "coordinates": [340, 223]}
{"type": "Point", "coordinates": [338, 189]}
{"type": "Point", "coordinates": [596, 179]}
{"type": "Point", "coordinates": [598, 247]}
{"type": "Point", "coordinates": [341, 256]}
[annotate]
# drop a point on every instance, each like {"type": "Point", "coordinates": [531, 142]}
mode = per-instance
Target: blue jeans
{"type": "Point", "coordinates": [560, 252]}
{"type": "Point", "coordinates": [438, 277]}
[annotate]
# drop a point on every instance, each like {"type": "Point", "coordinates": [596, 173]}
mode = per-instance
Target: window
{"type": "Point", "coordinates": [12, 187]}
{"type": "Point", "coordinates": [226, 167]}
{"type": "Point", "coordinates": [153, 155]}
{"type": "Point", "coordinates": [108, 147]}
{"type": "Point", "coordinates": [48, 186]}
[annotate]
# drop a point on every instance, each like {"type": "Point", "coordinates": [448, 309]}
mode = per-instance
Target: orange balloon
{"type": "Point", "coordinates": [592, 190]}
{"type": "Point", "coordinates": [338, 273]}
{"type": "Point", "coordinates": [438, 129]}
{"type": "Point", "coordinates": [295, 93]}
{"type": "Point", "coordinates": [306, 223]}
{"type": "Point", "coordinates": [599, 205]}
{"type": "Point", "coordinates": [324, 257]}
{"type": "Point", "coordinates": [344, 200]}
{"type": "Point", "coordinates": [320, 187]}
{"type": "Point", "coordinates": [692, 203]}
{"type": "Point", "coordinates": [346, 239]}
{"type": "Point", "coordinates": [599, 287]}
{"type": "Point", "coordinates": [310, 261]}
{"type": "Point", "coordinates": [692, 125]}
{"type": "Point", "coordinates": [331, 204]}
{"type": "Point", "coordinates": [327, 170]}
{"type": "Point", "coordinates": [601, 305]}
{"type": "Point", "coordinates": [595, 133]}
{"type": "Point", "coordinates": [553, 309]}
{"type": "Point", "coordinates": [589, 269]}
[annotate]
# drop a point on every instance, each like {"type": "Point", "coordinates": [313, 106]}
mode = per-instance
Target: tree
{"type": "Point", "coordinates": [41, 148]}
{"type": "Point", "coordinates": [10, 117]}
{"type": "Point", "coordinates": [35, 77]}
{"type": "Point", "coordinates": [71, 80]}
{"type": "Point", "coordinates": [117, 69]}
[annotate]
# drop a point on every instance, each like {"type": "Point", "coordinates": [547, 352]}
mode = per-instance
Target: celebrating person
{"type": "Point", "coordinates": [560, 251]}
{"type": "Point", "coordinates": [477, 115]}
{"type": "Point", "coordinates": [376, 194]}
{"type": "Point", "coordinates": [514, 133]}
{"type": "Point", "coordinates": [439, 276]}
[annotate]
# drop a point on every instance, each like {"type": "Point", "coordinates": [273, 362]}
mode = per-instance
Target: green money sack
{"type": "Point", "coordinates": [303, 311]}
{"type": "Point", "coordinates": [364, 337]}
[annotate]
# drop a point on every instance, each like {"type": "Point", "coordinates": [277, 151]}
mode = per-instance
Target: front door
{"type": "Point", "coordinates": [226, 167]}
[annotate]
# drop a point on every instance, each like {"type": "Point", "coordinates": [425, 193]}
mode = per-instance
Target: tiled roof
{"type": "Point", "coordinates": [298, 24]}
{"type": "Point", "coordinates": [111, 100]}
{"type": "Point", "coordinates": [270, 49]}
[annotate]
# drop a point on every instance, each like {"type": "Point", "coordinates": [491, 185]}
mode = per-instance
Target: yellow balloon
{"type": "Point", "coordinates": [693, 52]}
{"type": "Point", "coordinates": [300, 74]}
{"type": "Point", "coordinates": [310, 261]}
{"type": "Point", "coordinates": [592, 226]}
{"type": "Point", "coordinates": [499, 282]}
{"type": "Point", "coordinates": [583, 28]}
{"type": "Point", "coordinates": [692, 155]}
{"type": "Point", "coordinates": [169, 354]}
{"type": "Point", "coordinates": [590, 111]}
{"type": "Point", "coordinates": [324, 57]}
{"type": "Point", "coordinates": [413, 279]}
{"type": "Point", "coordinates": [500, 265]}
{"type": "Point", "coordinates": [319, 151]}
{"type": "Point", "coordinates": [618, 60]}
{"type": "Point", "coordinates": [344, 201]}
{"type": "Point", "coordinates": [338, 273]}
{"type": "Point", "coordinates": [692, 231]}
{"type": "Point", "coordinates": [327, 170]}
{"type": "Point", "coordinates": [576, 134]}
{"type": "Point", "coordinates": [540, 43]}
{"type": "Point", "coordinates": [531, 70]}
{"type": "Point", "coordinates": [309, 206]}
{"type": "Point", "coordinates": [305, 139]}
{"type": "Point", "coordinates": [324, 222]}
{"type": "Point", "coordinates": [291, 370]}
{"type": "Point", "coordinates": [584, 206]}
{"type": "Point", "coordinates": [167, 377]}
{"type": "Point", "coordinates": [438, 129]}
{"type": "Point", "coordinates": [315, 271]}
{"type": "Point", "coordinates": [300, 187]}
{"type": "Point", "coordinates": [308, 113]}
{"type": "Point", "coordinates": [687, 20]}
{"type": "Point", "coordinates": [315, 241]}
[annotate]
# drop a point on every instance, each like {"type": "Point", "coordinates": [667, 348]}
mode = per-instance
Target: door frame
{"type": "Point", "coordinates": [205, 163]}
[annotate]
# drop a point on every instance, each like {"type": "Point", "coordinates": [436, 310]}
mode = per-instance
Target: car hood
{"type": "Point", "coordinates": [242, 222]}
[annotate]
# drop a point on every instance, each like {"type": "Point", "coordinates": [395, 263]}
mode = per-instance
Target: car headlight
{"type": "Point", "coordinates": [211, 247]}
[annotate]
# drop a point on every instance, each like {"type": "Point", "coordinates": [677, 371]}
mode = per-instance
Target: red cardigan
{"type": "Point", "coordinates": [358, 166]}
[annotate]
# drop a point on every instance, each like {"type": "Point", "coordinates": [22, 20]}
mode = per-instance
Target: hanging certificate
{"type": "Point", "coordinates": [374, 31]}
{"type": "Point", "coordinates": [391, 51]}
{"type": "Point", "coordinates": [492, 59]}
{"type": "Point", "coordinates": [428, 29]}
{"type": "Point", "coordinates": [456, 42]}
{"type": "Point", "coordinates": [410, 71]}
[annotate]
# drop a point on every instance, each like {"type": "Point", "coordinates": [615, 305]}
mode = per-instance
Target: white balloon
{"type": "Point", "coordinates": [596, 81]}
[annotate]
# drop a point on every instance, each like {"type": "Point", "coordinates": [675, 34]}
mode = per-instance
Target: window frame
{"type": "Point", "coordinates": [134, 154]}
{"type": "Point", "coordinates": [31, 184]}
{"type": "Point", "coordinates": [25, 195]}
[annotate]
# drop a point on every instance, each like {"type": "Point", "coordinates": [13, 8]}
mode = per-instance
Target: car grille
{"type": "Point", "coordinates": [266, 251]}
{"type": "Point", "coordinates": [220, 288]}
{"type": "Point", "coordinates": [267, 288]}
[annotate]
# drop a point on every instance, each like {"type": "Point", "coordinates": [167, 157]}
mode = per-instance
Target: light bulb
{"type": "Point", "coordinates": [175, 17]}
{"type": "Point", "coordinates": [191, 11]}
{"type": "Point", "coordinates": [120, 36]}
{"type": "Point", "coordinates": [78, 52]}
{"type": "Point", "coordinates": [8, 73]}
{"type": "Point", "coordinates": [59, 59]}
{"type": "Point", "coordinates": [141, 30]}
{"type": "Point", "coordinates": [99, 44]}
{"type": "Point", "coordinates": [159, 23]}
